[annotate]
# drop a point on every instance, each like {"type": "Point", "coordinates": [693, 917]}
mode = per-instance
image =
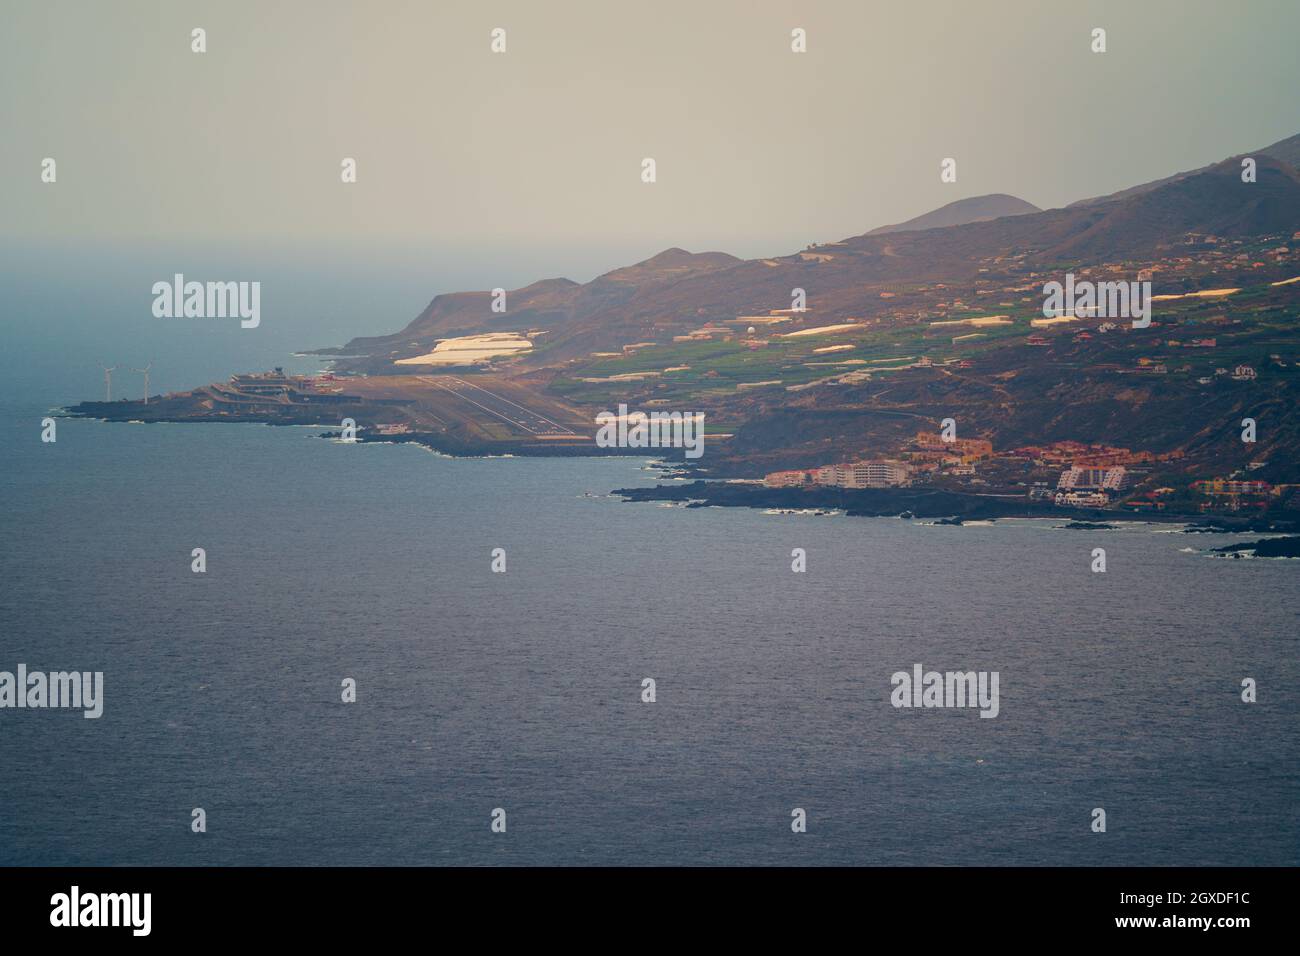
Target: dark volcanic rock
{"type": "Point", "coordinates": [1267, 548]}
{"type": "Point", "coordinates": [865, 502]}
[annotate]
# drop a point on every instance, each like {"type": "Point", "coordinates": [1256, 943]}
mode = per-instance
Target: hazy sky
{"type": "Point", "coordinates": [759, 150]}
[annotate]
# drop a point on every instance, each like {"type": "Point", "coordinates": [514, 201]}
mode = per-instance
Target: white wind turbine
{"type": "Point", "coordinates": [108, 380]}
{"type": "Point", "coordinates": [145, 372]}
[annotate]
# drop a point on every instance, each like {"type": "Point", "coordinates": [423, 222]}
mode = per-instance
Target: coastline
{"type": "Point", "coordinates": [923, 504]}
{"type": "Point", "coordinates": [950, 507]}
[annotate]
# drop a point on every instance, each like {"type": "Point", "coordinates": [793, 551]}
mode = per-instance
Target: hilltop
{"type": "Point", "coordinates": [974, 209]}
{"type": "Point", "coordinates": [550, 303]}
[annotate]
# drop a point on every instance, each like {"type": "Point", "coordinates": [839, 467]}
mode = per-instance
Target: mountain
{"type": "Point", "coordinates": [550, 304]}
{"type": "Point", "coordinates": [1213, 201]}
{"type": "Point", "coordinates": [1285, 151]}
{"type": "Point", "coordinates": [974, 209]}
{"type": "Point", "coordinates": [874, 276]}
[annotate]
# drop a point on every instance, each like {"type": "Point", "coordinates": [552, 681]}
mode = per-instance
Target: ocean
{"type": "Point", "coordinates": [523, 690]}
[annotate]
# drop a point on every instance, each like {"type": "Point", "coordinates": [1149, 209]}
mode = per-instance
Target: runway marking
{"type": "Point", "coordinates": [502, 398]}
{"type": "Point", "coordinates": [490, 411]}
{"type": "Point", "coordinates": [425, 411]}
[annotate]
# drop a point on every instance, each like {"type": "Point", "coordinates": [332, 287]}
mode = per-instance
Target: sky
{"type": "Point", "coordinates": [758, 150]}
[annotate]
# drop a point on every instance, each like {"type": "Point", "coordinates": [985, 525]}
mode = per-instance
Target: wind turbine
{"type": "Point", "coordinates": [145, 371]}
{"type": "Point", "coordinates": [108, 380]}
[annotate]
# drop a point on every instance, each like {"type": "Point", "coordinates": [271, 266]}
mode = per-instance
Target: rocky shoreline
{"type": "Point", "coordinates": [952, 507]}
{"type": "Point", "coordinates": [1266, 548]}
{"type": "Point", "coordinates": [946, 507]}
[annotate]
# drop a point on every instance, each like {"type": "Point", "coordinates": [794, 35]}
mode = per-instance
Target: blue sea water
{"type": "Point", "coordinates": [522, 690]}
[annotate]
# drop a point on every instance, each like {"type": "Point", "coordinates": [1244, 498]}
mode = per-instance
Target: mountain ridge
{"type": "Point", "coordinates": [675, 290]}
{"type": "Point", "coordinates": [1284, 150]}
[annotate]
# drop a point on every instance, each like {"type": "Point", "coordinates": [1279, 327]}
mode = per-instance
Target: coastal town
{"type": "Point", "coordinates": [1067, 474]}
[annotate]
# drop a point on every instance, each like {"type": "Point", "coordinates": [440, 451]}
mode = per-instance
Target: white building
{"type": "Point", "coordinates": [1082, 499]}
{"type": "Point", "coordinates": [865, 474]}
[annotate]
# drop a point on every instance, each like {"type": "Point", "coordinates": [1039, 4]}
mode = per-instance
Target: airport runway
{"type": "Point", "coordinates": [498, 406]}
